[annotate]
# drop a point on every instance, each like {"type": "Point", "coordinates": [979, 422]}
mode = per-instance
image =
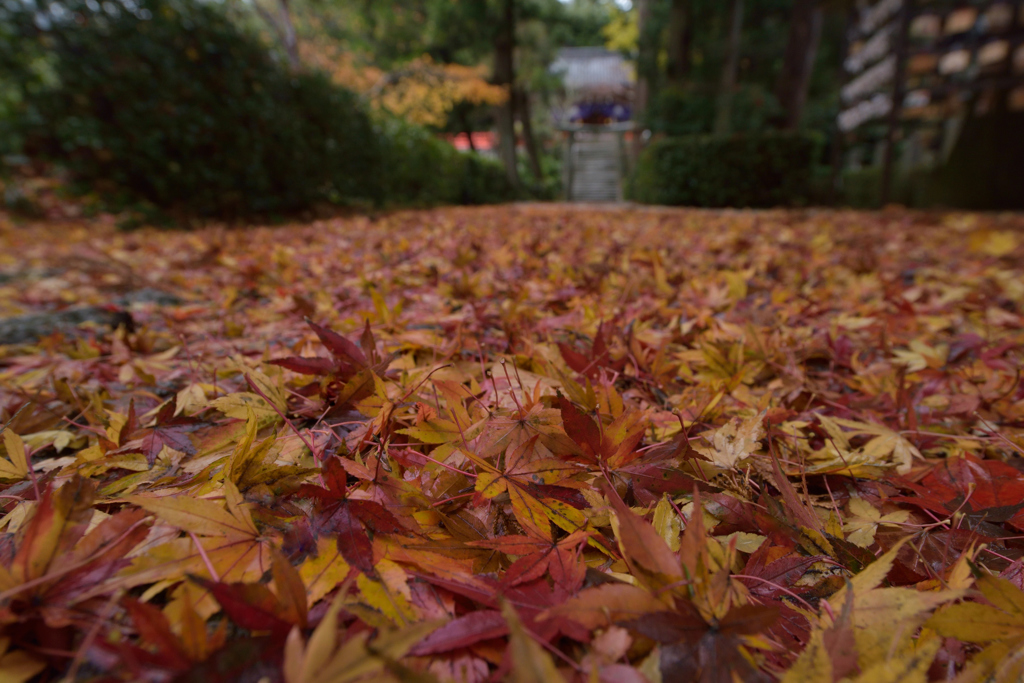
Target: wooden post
{"type": "Point", "coordinates": [623, 164]}
{"type": "Point", "coordinates": [838, 137]}
{"type": "Point", "coordinates": [898, 93]}
{"type": "Point", "coordinates": [567, 164]}
{"type": "Point", "coordinates": [642, 94]}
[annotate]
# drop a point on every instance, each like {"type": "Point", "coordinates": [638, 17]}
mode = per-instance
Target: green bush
{"type": "Point", "coordinates": [169, 102]}
{"type": "Point", "coordinates": [423, 170]}
{"type": "Point", "coordinates": [862, 187]}
{"type": "Point", "coordinates": [484, 181]}
{"type": "Point", "coordinates": [756, 170]}
{"type": "Point", "coordinates": [418, 165]}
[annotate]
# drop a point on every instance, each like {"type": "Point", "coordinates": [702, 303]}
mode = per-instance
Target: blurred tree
{"type": "Point", "coordinates": [451, 64]}
{"type": "Point", "coordinates": [419, 86]}
{"type": "Point", "coordinates": [425, 92]}
{"type": "Point", "coordinates": [778, 66]}
{"type": "Point", "coordinates": [279, 19]}
{"type": "Point", "coordinates": [622, 32]}
{"type": "Point", "coordinates": [680, 37]}
{"type": "Point", "coordinates": [646, 63]}
{"type": "Point", "coordinates": [505, 77]}
{"type": "Point", "coordinates": [806, 21]}
{"type": "Point", "coordinates": [727, 84]}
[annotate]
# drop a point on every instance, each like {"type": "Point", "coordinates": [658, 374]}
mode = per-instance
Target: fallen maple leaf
{"type": "Point", "coordinates": [483, 480]}
{"type": "Point", "coordinates": [864, 521]}
{"type": "Point", "coordinates": [734, 442]}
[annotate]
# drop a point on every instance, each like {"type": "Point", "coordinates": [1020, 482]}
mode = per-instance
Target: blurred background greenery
{"type": "Point", "coordinates": [177, 110]}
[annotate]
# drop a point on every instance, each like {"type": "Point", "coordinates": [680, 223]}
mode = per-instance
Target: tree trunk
{"type": "Point", "coordinates": [281, 24]}
{"type": "Point", "coordinates": [680, 39]}
{"type": "Point", "coordinates": [646, 56]}
{"type": "Point", "coordinates": [523, 109]}
{"type": "Point", "coordinates": [798, 63]}
{"type": "Point", "coordinates": [466, 128]}
{"type": "Point", "coordinates": [727, 86]}
{"type": "Point", "coordinates": [291, 43]}
{"type": "Point", "coordinates": [504, 75]}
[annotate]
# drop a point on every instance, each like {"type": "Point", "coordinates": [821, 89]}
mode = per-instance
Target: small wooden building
{"type": "Point", "coordinates": [595, 113]}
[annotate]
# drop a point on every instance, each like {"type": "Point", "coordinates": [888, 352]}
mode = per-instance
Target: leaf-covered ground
{"type": "Point", "coordinates": [515, 442]}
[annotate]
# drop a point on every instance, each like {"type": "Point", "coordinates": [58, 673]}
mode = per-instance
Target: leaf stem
{"type": "Point", "coordinates": [206, 558]}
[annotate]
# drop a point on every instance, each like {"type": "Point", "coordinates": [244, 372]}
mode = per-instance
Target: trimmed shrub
{"type": "Point", "coordinates": [418, 166]}
{"type": "Point", "coordinates": [862, 188]}
{"type": "Point", "coordinates": [484, 181]}
{"type": "Point", "coordinates": [748, 170]}
{"type": "Point", "coordinates": [169, 102]}
{"type": "Point", "coordinates": [423, 170]}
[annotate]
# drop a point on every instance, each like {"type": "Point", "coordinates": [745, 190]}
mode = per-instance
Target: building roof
{"type": "Point", "coordinates": [587, 70]}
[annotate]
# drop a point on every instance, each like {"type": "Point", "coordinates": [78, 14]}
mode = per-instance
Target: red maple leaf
{"type": "Point", "coordinates": [335, 512]}
{"type": "Point", "coordinates": [596, 357]}
{"type": "Point", "coordinates": [983, 490]}
{"type": "Point", "coordinates": [167, 430]}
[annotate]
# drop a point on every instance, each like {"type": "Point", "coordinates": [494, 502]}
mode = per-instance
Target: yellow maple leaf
{"type": "Point", "coordinates": [734, 441]}
{"type": "Point", "coordinates": [17, 666]}
{"type": "Point", "coordinates": [999, 625]}
{"type": "Point", "coordinates": [323, 660]}
{"type": "Point", "coordinates": [994, 243]}
{"type": "Point", "coordinates": [15, 466]}
{"type": "Point", "coordinates": [202, 517]}
{"type": "Point", "coordinates": [530, 663]}
{"type": "Point", "coordinates": [885, 620]}
{"type": "Point", "coordinates": [863, 522]}
{"type": "Point", "coordinates": [920, 356]}
{"type": "Point", "coordinates": [886, 450]}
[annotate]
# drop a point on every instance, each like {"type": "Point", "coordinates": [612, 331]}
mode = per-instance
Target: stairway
{"type": "Point", "coordinates": [596, 172]}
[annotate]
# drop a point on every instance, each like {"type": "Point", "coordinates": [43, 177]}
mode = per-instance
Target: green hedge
{"type": "Point", "coordinates": [170, 103]}
{"type": "Point", "coordinates": [422, 170]}
{"type": "Point", "coordinates": [745, 170]}
{"type": "Point", "coordinates": [861, 188]}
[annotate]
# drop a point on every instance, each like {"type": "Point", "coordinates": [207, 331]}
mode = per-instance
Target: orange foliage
{"type": "Point", "coordinates": [421, 91]}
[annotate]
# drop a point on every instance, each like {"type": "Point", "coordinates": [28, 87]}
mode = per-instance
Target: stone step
{"type": "Point", "coordinates": [596, 170]}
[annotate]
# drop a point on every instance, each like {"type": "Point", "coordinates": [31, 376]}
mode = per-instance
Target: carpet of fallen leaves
{"type": "Point", "coordinates": [527, 443]}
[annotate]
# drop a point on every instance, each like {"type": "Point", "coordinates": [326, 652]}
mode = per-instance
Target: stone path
{"type": "Point", "coordinates": [597, 172]}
